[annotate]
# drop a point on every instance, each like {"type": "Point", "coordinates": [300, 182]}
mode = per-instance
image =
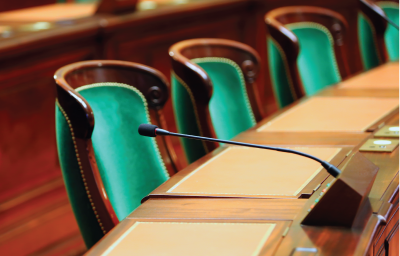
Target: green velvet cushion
{"type": "Point", "coordinates": [316, 61]}
{"type": "Point", "coordinates": [229, 106]}
{"type": "Point", "coordinates": [230, 109]}
{"type": "Point", "coordinates": [367, 41]}
{"type": "Point", "coordinates": [391, 34]}
{"type": "Point", "coordinates": [279, 72]}
{"type": "Point", "coordinates": [186, 119]}
{"type": "Point", "coordinates": [130, 165]}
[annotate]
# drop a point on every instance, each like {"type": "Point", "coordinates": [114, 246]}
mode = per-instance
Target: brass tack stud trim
{"type": "Point", "coordinates": [81, 168]}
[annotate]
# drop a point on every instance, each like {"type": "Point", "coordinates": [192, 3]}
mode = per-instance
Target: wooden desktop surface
{"type": "Point", "coordinates": [204, 181]}
{"type": "Point", "coordinates": [378, 82]}
{"type": "Point", "coordinates": [378, 235]}
{"type": "Point", "coordinates": [383, 77]}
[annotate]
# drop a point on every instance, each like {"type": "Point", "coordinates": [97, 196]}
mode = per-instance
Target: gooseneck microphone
{"type": "Point", "coordinates": [150, 130]}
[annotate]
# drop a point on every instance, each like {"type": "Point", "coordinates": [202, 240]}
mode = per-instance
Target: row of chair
{"type": "Point", "coordinates": [108, 168]}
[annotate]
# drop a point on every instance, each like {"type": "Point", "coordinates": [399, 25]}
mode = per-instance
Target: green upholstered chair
{"type": "Point", "coordinates": [213, 91]}
{"type": "Point", "coordinates": [391, 9]}
{"type": "Point", "coordinates": [305, 50]}
{"type": "Point", "coordinates": [371, 34]}
{"type": "Point", "coordinates": [379, 40]}
{"type": "Point", "coordinates": [107, 166]}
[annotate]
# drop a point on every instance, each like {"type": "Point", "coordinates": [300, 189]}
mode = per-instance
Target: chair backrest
{"type": "Point", "coordinates": [391, 9]}
{"type": "Point", "coordinates": [306, 49]}
{"type": "Point", "coordinates": [107, 166]}
{"type": "Point", "coordinates": [213, 90]}
{"type": "Point", "coordinates": [371, 32]}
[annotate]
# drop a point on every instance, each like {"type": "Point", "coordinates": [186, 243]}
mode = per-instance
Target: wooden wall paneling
{"type": "Point", "coordinates": [27, 96]}
{"type": "Point", "coordinates": [34, 207]}
{"type": "Point", "coordinates": [40, 218]}
{"type": "Point", "coordinates": [14, 5]}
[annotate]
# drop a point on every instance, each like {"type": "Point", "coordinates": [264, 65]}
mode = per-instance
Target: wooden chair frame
{"type": "Point", "coordinates": [276, 20]}
{"type": "Point", "coordinates": [199, 82]}
{"type": "Point", "coordinates": [81, 120]}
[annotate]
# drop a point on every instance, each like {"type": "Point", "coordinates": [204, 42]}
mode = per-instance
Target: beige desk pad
{"type": "Point", "coordinates": [332, 114]}
{"type": "Point", "coordinates": [383, 77]}
{"type": "Point", "coordinates": [252, 171]}
{"type": "Point", "coordinates": [194, 239]}
{"type": "Point", "coordinates": [51, 12]}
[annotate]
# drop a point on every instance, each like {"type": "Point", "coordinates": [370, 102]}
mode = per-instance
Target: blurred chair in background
{"type": "Point", "coordinates": [306, 50]}
{"type": "Point", "coordinates": [371, 34]}
{"type": "Point", "coordinates": [213, 91]}
{"type": "Point", "coordinates": [107, 166]}
{"type": "Point", "coordinates": [391, 9]}
{"type": "Point", "coordinates": [378, 39]}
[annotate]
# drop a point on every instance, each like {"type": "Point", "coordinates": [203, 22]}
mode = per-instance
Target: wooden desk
{"type": "Point", "coordinates": [379, 82]}
{"type": "Point", "coordinates": [377, 235]}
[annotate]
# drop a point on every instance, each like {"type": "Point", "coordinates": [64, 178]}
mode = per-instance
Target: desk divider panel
{"type": "Point", "coordinates": [251, 172]}
{"type": "Point", "coordinates": [332, 114]}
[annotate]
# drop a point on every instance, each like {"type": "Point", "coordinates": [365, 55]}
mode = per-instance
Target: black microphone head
{"type": "Point", "coordinates": [148, 130]}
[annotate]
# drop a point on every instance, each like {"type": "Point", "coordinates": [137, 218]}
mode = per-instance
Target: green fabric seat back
{"type": "Point", "coordinates": [316, 61]}
{"type": "Point", "coordinates": [367, 42]}
{"type": "Point", "coordinates": [391, 34]}
{"type": "Point", "coordinates": [130, 165]}
{"type": "Point", "coordinates": [280, 75]}
{"type": "Point", "coordinates": [186, 118]}
{"type": "Point", "coordinates": [229, 106]}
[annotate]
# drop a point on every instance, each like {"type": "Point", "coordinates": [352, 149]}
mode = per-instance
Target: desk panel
{"type": "Point", "coordinates": [383, 77]}
{"type": "Point", "coordinates": [382, 81]}
{"type": "Point", "coordinates": [254, 172]}
{"type": "Point", "coordinates": [233, 172]}
{"type": "Point", "coordinates": [205, 212]}
{"type": "Point", "coordinates": [332, 114]}
{"type": "Point", "coordinates": [192, 238]}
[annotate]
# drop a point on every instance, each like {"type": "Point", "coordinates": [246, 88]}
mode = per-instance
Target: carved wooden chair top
{"type": "Point", "coordinates": [100, 105]}
{"type": "Point", "coordinates": [212, 78]}
{"type": "Point", "coordinates": [311, 42]}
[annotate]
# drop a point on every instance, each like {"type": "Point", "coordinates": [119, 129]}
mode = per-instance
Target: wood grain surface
{"type": "Point", "coordinates": [383, 77]}
{"type": "Point", "coordinates": [332, 114]}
